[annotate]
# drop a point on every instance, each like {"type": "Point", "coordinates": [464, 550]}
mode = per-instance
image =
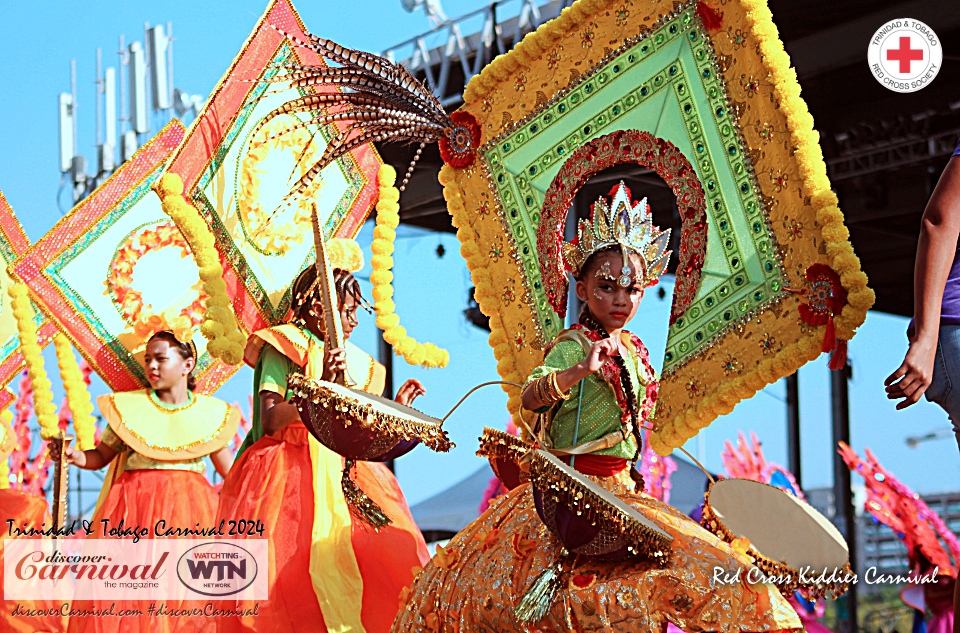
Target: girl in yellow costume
{"type": "Point", "coordinates": [598, 388]}
{"type": "Point", "coordinates": [26, 511]}
{"type": "Point", "coordinates": [328, 571]}
{"type": "Point", "coordinates": [155, 442]}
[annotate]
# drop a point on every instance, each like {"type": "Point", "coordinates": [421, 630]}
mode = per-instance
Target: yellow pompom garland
{"type": "Point", "coordinates": [486, 297]}
{"type": "Point", "coordinates": [7, 416]}
{"type": "Point", "coordinates": [388, 218]}
{"type": "Point", "coordinates": [42, 393]}
{"type": "Point", "coordinates": [220, 328]}
{"type": "Point", "coordinates": [78, 397]}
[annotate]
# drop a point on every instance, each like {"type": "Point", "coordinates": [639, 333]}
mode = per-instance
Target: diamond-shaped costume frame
{"type": "Point", "coordinates": [717, 114]}
{"type": "Point", "coordinates": [235, 173]}
{"type": "Point", "coordinates": [13, 244]}
{"type": "Point", "coordinates": [120, 228]}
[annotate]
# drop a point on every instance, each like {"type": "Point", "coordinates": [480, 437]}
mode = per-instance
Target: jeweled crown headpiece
{"type": "Point", "coordinates": [625, 224]}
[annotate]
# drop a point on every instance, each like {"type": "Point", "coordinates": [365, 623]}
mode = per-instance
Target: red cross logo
{"type": "Point", "coordinates": [905, 54]}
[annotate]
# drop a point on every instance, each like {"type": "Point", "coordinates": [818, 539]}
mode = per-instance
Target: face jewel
{"type": "Point", "coordinates": [604, 272]}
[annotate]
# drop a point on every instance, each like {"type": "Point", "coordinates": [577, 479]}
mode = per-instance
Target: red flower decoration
{"type": "Point", "coordinates": [459, 147]}
{"type": "Point", "coordinates": [712, 19]}
{"type": "Point", "coordinates": [523, 546]}
{"type": "Point", "coordinates": [825, 297]}
{"type": "Point", "coordinates": [583, 581]}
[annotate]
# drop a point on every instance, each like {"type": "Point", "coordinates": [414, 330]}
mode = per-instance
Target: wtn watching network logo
{"type": "Point", "coordinates": [217, 568]}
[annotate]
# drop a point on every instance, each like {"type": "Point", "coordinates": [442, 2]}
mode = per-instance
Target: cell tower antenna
{"type": "Point", "coordinates": [99, 84]}
{"type": "Point", "coordinates": [431, 7]}
{"type": "Point", "coordinates": [73, 101]}
{"type": "Point", "coordinates": [139, 121]}
{"type": "Point", "coordinates": [65, 115]}
{"type": "Point", "coordinates": [122, 65]}
{"type": "Point", "coordinates": [157, 43]}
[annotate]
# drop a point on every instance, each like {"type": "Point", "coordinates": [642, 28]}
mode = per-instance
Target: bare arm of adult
{"type": "Point", "coordinates": [222, 461]}
{"type": "Point", "coordinates": [93, 459]}
{"type": "Point", "coordinates": [275, 413]}
{"type": "Point", "coordinates": [936, 249]}
{"type": "Point", "coordinates": [600, 353]}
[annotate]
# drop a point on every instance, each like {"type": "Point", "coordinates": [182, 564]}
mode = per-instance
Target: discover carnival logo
{"type": "Point", "coordinates": [905, 55]}
{"type": "Point", "coordinates": [122, 569]}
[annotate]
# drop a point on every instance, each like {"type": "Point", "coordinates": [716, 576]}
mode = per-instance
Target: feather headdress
{"type": "Point", "coordinates": [377, 101]}
{"type": "Point", "coordinates": [747, 461]}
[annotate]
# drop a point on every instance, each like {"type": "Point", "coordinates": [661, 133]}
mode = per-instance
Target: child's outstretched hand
{"type": "Point", "coordinates": [73, 456]}
{"type": "Point", "coordinates": [409, 391]}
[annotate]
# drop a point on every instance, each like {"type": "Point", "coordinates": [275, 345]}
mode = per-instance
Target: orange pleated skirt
{"type": "Point", "coordinates": [30, 511]}
{"type": "Point", "coordinates": [273, 482]}
{"type": "Point", "coordinates": [142, 498]}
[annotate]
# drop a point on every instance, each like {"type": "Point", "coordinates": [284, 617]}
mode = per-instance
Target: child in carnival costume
{"type": "Point", "coordinates": [154, 444]}
{"type": "Point", "coordinates": [328, 570]}
{"type": "Point", "coordinates": [603, 371]}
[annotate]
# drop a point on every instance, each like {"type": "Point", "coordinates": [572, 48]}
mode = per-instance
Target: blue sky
{"type": "Point", "coordinates": [37, 42]}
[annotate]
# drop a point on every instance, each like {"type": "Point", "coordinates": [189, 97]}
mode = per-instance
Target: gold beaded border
{"type": "Point", "coordinates": [430, 435]}
{"type": "Point", "coordinates": [560, 487]}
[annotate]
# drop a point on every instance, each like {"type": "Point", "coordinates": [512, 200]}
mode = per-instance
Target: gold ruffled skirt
{"type": "Point", "coordinates": [475, 583]}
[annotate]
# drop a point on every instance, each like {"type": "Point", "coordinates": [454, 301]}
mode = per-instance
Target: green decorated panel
{"type": "Point", "coordinates": [665, 83]}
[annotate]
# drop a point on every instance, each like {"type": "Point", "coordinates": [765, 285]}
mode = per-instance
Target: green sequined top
{"type": "Point", "coordinates": [600, 412]}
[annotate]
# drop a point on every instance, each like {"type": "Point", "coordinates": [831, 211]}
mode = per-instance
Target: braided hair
{"type": "Point", "coordinates": [305, 289]}
{"type": "Point", "coordinates": [186, 351]}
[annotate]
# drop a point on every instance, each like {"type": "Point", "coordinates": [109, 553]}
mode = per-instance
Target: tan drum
{"type": "Point", "coordinates": [794, 546]}
{"type": "Point", "coordinates": [361, 426]}
{"type": "Point", "coordinates": [588, 519]}
{"type": "Point", "coordinates": [505, 453]}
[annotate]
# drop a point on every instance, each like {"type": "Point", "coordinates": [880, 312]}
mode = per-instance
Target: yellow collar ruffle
{"type": "Point", "coordinates": [199, 428]}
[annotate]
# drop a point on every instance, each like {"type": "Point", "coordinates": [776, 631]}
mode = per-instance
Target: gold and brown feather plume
{"type": "Point", "coordinates": [376, 101]}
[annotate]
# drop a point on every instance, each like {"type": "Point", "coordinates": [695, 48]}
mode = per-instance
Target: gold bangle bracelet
{"type": "Point", "coordinates": [560, 395]}
{"type": "Point", "coordinates": [535, 385]}
{"type": "Point", "coordinates": [544, 391]}
{"type": "Point", "coordinates": [541, 389]}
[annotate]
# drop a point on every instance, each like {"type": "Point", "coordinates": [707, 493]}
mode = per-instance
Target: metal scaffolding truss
{"type": "Point", "coordinates": [446, 59]}
{"type": "Point", "coordinates": [887, 156]}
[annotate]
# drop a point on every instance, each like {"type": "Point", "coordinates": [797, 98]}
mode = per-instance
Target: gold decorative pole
{"type": "Point", "coordinates": [332, 328]}
{"type": "Point", "coordinates": [361, 506]}
{"type": "Point", "coordinates": [61, 477]}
